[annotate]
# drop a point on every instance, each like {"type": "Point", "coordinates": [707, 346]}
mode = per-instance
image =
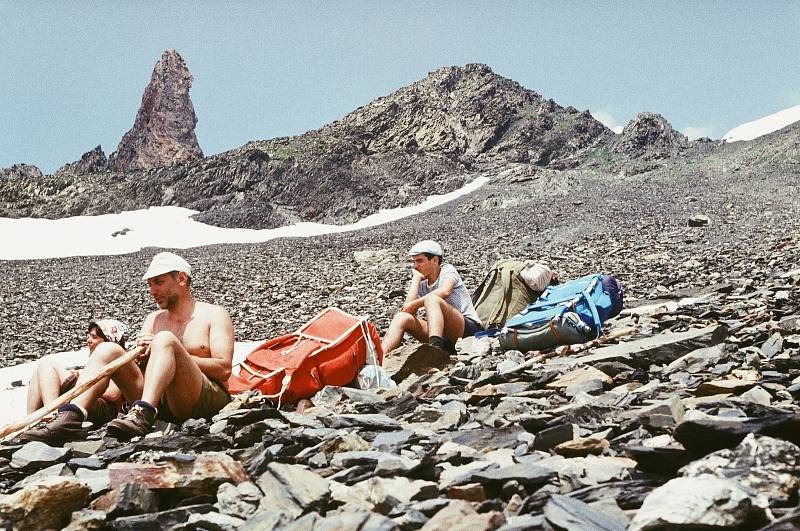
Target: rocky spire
{"type": "Point", "coordinates": [163, 133]}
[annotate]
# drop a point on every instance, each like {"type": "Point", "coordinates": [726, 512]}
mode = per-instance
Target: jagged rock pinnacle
{"type": "Point", "coordinates": [163, 133]}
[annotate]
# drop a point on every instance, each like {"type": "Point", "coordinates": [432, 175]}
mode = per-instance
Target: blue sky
{"type": "Point", "coordinates": [74, 72]}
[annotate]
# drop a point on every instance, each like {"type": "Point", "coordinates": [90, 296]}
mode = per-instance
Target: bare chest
{"type": "Point", "coordinates": [194, 334]}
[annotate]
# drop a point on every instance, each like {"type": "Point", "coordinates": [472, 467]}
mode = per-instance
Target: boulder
{"type": "Point", "coordinates": [699, 502]}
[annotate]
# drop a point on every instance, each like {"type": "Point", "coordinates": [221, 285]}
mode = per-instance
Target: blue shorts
{"type": "Point", "coordinates": [470, 327]}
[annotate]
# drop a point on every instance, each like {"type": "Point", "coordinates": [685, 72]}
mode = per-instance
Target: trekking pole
{"type": "Point", "coordinates": [42, 412]}
{"type": "Point", "coordinates": [570, 349]}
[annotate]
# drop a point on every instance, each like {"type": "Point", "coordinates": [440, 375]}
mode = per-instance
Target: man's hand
{"type": "Point", "coordinates": [412, 307]}
{"type": "Point", "coordinates": [144, 340]}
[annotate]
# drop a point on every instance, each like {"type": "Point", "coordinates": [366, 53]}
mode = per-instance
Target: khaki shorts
{"type": "Point", "coordinates": [213, 397]}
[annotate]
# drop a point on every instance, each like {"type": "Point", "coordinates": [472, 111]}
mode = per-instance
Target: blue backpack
{"type": "Point", "coordinates": [595, 298]}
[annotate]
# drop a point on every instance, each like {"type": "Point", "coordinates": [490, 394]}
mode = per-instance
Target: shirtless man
{"type": "Point", "coordinates": [189, 351]}
{"type": "Point", "coordinates": [448, 306]}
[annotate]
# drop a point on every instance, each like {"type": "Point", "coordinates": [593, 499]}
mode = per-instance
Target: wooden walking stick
{"type": "Point", "coordinates": [570, 349]}
{"type": "Point", "coordinates": [42, 412]}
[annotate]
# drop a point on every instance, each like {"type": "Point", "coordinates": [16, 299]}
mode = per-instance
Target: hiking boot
{"type": "Point", "coordinates": [137, 422]}
{"type": "Point", "coordinates": [66, 426]}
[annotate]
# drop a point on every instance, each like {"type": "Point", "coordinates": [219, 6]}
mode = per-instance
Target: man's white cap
{"type": "Point", "coordinates": [426, 246]}
{"type": "Point", "coordinates": [166, 262]}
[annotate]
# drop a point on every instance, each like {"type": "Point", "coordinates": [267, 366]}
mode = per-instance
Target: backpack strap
{"type": "Point", "coordinates": [483, 289]}
{"type": "Point", "coordinates": [507, 282]}
{"type": "Point", "coordinates": [587, 296]}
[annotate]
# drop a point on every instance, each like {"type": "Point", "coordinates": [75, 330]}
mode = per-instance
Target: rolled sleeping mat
{"type": "Point", "coordinates": [564, 329]}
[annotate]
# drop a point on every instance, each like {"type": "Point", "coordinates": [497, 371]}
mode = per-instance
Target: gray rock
{"type": "Point", "coordinates": [698, 220]}
{"type": "Point", "coordinates": [97, 480]}
{"type": "Point", "coordinates": [392, 439]}
{"type": "Point", "coordinates": [696, 360]}
{"type": "Point", "coordinates": [128, 499]}
{"type": "Point", "coordinates": [703, 501]}
{"type": "Point", "coordinates": [292, 488]}
{"type": "Point", "coordinates": [59, 469]}
{"type": "Point", "coordinates": [772, 346]}
{"type": "Point", "coordinates": [564, 512]}
{"type": "Point", "coordinates": [369, 422]}
{"type": "Point", "coordinates": [529, 475]}
{"type": "Point", "coordinates": [660, 349]}
{"type": "Point", "coordinates": [240, 500]}
{"type": "Point", "coordinates": [35, 455]}
{"type": "Point", "coordinates": [757, 394]}
{"type": "Point", "coordinates": [765, 465]}
{"type": "Point", "coordinates": [87, 519]}
{"type": "Point", "coordinates": [210, 520]}
{"type": "Point", "coordinates": [162, 519]}
{"type": "Point", "coordinates": [267, 520]}
{"type": "Point", "coordinates": [550, 437]}
{"type": "Point", "coordinates": [416, 359]}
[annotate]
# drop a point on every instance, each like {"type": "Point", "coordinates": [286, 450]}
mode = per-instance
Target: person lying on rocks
{"type": "Point", "coordinates": [437, 287]}
{"type": "Point", "coordinates": [187, 362]}
{"type": "Point", "coordinates": [50, 380]}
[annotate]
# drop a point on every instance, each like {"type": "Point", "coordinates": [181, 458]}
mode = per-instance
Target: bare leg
{"type": "Point", "coordinates": [443, 319]}
{"type": "Point", "coordinates": [403, 322]}
{"type": "Point", "coordinates": [172, 374]}
{"type": "Point", "coordinates": [45, 384]}
{"type": "Point", "coordinates": [128, 377]}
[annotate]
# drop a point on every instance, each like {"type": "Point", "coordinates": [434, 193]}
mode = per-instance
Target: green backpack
{"type": "Point", "coordinates": [502, 293]}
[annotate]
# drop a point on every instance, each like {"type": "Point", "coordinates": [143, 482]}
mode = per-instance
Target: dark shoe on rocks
{"type": "Point", "coordinates": [66, 426]}
{"type": "Point", "coordinates": [137, 422]}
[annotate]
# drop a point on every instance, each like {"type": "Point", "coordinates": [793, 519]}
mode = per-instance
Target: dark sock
{"type": "Point", "coordinates": [72, 407]}
{"type": "Point", "coordinates": [147, 405]}
{"type": "Point", "coordinates": [436, 341]}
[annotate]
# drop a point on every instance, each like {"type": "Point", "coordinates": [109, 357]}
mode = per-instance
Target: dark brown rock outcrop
{"type": "Point", "coordinates": [471, 112]}
{"type": "Point", "coordinates": [163, 133]}
{"type": "Point", "coordinates": [93, 161]}
{"type": "Point", "coordinates": [649, 137]}
{"type": "Point", "coordinates": [21, 171]}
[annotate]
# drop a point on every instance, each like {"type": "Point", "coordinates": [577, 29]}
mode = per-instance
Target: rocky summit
{"type": "Point", "coordinates": [428, 138]}
{"type": "Point", "coordinates": [687, 419]}
{"type": "Point", "coordinates": [163, 133]}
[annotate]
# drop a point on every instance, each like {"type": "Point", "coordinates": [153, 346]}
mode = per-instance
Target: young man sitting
{"type": "Point", "coordinates": [448, 306]}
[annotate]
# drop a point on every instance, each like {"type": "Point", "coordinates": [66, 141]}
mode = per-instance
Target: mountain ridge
{"type": "Point", "coordinates": [429, 137]}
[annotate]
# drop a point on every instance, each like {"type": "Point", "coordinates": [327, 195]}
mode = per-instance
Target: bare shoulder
{"type": "Point", "coordinates": [150, 320]}
{"type": "Point", "coordinates": [212, 312]}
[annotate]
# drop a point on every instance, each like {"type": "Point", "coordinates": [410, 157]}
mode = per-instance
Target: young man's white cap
{"type": "Point", "coordinates": [167, 262]}
{"type": "Point", "coordinates": [426, 246]}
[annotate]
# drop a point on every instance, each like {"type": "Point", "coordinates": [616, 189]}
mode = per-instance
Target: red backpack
{"type": "Point", "coordinates": [328, 350]}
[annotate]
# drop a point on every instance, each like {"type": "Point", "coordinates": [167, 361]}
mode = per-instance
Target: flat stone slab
{"type": "Point", "coordinates": [414, 359]}
{"type": "Point", "coordinates": [661, 349]}
{"type": "Point", "coordinates": [706, 434]}
{"type": "Point", "coordinates": [370, 422]}
{"type": "Point", "coordinates": [564, 512]}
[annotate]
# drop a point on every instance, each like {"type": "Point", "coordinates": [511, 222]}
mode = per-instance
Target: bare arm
{"type": "Point", "coordinates": [412, 302]}
{"type": "Point", "coordinates": [220, 335]}
{"type": "Point", "coordinates": [443, 291]}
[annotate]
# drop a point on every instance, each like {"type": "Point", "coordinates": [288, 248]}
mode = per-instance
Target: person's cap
{"type": "Point", "coordinates": [112, 329]}
{"type": "Point", "coordinates": [426, 246]}
{"type": "Point", "coordinates": [167, 262]}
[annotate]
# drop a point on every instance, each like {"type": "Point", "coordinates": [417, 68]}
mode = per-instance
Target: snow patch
{"type": "Point", "coordinates": [167, 227]}
{"type": "Point", "coordinates": [763, 126]}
